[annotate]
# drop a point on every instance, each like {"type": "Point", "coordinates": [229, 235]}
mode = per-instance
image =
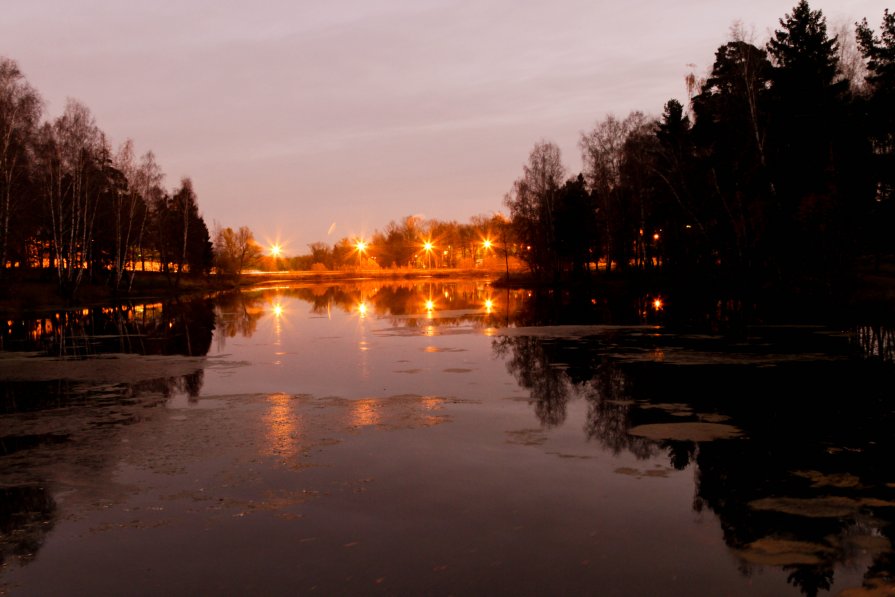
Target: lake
{"type": "Point", "coordinates": [441, 438]}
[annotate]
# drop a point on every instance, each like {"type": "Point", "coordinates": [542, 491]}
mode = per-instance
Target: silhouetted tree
{"type": "Point", "coordinates": [20, 111]}
{"type": "Point", "coordinates": [235, 251]}
{"type": "Point", "coordinates": [181, 235]}
{"type": "Point", "coordinates": [71, 154]}
{"type": "Point", "coordinates": [602, 151]}
{"type": "Point", "coordinates": [816, 155]}
{"type": "Point", "coordinates": [532, 205]}
{"type": "Point", "coordinates": [731, 134]}
{"type": "Point", "coordinates": [576, 227]}
{"type": "Point", "coordinates": [879, 54]}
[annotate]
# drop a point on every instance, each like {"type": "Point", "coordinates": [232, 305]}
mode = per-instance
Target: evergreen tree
{"type": "Point", "coordinates": [817, 154]}
{"type": "Point", "coordinates": [879, 54]}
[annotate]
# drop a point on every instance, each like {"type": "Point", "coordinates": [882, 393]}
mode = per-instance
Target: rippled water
{"type": "Point", "coordinates": [440, 438]}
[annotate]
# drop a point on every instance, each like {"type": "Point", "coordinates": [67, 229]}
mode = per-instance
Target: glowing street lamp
{"type": "Point", "coordinates": [428, 246]}
{"type": "Point", "coordinates": [360, 246]}
{"type": "Point", "coordinates": [486, 247]}
{"type": "Point", "coordinates": [275, 252]}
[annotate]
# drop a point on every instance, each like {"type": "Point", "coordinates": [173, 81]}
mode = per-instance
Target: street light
{"type": "Point", "coordinates": [427, 246]}
{"type": "Point", "coordinates": [275, 251]}
{"type": "Point", "coordinates": [361, 246]}
{"type": "Point", "coordinates": [486, 247]}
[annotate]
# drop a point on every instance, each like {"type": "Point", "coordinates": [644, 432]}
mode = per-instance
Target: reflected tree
{"type": "Point", "coordinates": [528, 361]}
{"type": "Point", "coordinates": [609, 413]}
{"type": "Point", "coordinates": [27, 515]}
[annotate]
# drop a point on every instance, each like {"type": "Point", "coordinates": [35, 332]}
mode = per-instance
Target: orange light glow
{"type": "Point", "coordinates": [486, 243]}
{"type": "Point", "coordinates": [427, 246]}
{"type": "Point", "coordinates": [275, 250]}
{"type": "Point", "coordinates": [362, 309]}
{"type": "Point", "coordinates": [365, 412]}
{"type": "Point", "coordinates": [430, 305]}
{"type": "Point", "coordinates": [656, 236]}
{"type": "Point", "coordinates": [489, 305]}
{"type": "Point", "coordinates": [658, 304]}
{"type": "Point", "coordinates": [361, 246]}
{"type": "Point", "coordinates": [282, 427]}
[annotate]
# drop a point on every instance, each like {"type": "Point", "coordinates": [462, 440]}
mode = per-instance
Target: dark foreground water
{"type": "Point", "coordinates": [427, 438]}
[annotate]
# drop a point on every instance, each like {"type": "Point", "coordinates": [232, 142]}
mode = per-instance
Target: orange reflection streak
{"type": "Point", "coordinates": [432, 402]}
{"type": "Point", "coordinates": [282, 427]}
{"type": "Point", "coordinates": [365, 412]}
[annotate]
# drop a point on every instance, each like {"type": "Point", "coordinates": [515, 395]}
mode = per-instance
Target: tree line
{"type": "Point", "coordinates": [72, 204]}
{"type": "Point", "coordinates": [779, 169]}
{"type": "Point", "coordinates": [415, 242]}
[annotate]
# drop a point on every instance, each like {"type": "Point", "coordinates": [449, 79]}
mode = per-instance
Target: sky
{"type": "Point", "coordinates": [314, 120]}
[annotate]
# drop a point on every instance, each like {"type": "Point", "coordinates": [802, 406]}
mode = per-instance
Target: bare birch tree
{"type": "Point", "coordinates": [70, 158]}
{"type": "Point", "coordinates": [20, 111]}
{"type": "Point", "coordinates": [144, 179]}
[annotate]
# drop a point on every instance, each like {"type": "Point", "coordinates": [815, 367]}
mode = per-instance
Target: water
{"type": "Point", "coordinates": [440, 438]}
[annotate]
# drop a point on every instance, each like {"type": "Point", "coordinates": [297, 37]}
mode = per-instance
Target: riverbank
{"type": "Point", "coordinates": [871, 291]}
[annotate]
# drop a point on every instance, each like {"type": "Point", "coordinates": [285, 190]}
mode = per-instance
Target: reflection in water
{"type": "Point", "coordinates": [52, 415]}
{"type": "Point", "coordinates": [806, 487]}
{"type": "Point", "coordinates": [528, 359]}
{"type": "Point", "coordinates": [237, 313]}
{"type": "Point", "coordinates": [364, 413]}
{"type": "Point", "coordinates": [283, 427]}
{"type": "Point", "coordinates": [27, 515]}
{"type": "Point", "coordinates": [875, 342]}
{"type": "Point", "coordinates": [177, 327]}
{"type": "Point", "coordinates": [809, 488]}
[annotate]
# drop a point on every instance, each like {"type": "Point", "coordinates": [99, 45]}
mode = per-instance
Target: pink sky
{"type": "Point", "coordinates": [291, 116]}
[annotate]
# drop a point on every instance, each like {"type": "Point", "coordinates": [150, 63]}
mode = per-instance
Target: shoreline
{"type": "Point", "coordinates": [872, 293]}
{"type": "Point", "coordinates": [32, 292]}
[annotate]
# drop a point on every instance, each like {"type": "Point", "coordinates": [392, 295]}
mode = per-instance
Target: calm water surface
{"type": "Point", "coordinates": [440, 438]}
